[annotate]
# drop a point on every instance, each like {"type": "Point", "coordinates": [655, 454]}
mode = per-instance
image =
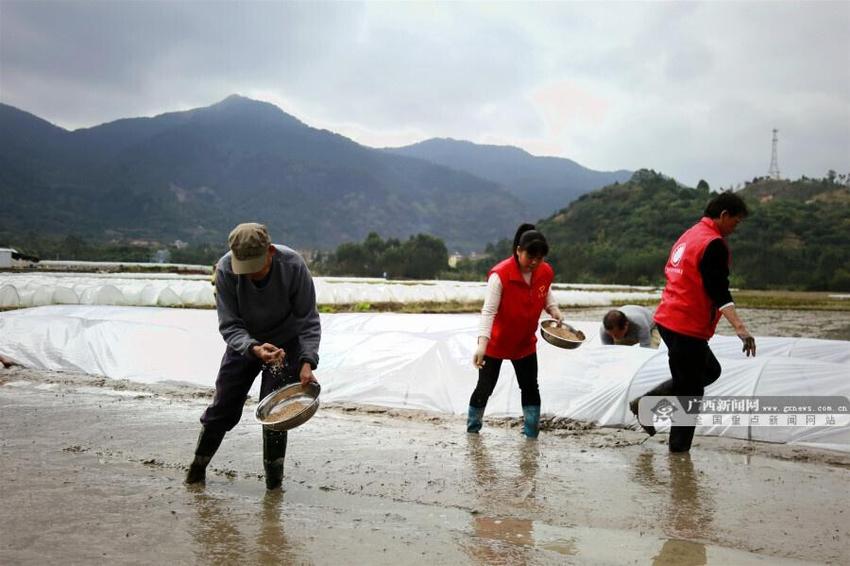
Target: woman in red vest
{"type": "Point", "coordinates": [518, 289]}
{"type": "Point", "coordinates": [694, 298]}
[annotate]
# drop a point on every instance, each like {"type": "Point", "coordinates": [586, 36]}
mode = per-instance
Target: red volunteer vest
{"type": "Point", "coordinates": [685, 306]}
{"type": "Point", "coordinates": [513, 335]}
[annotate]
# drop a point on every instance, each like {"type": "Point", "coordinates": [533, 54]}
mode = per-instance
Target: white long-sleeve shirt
{"type": "Point", "coordinates": [494, 297]}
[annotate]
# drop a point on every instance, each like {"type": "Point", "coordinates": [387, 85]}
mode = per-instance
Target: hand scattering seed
{"type": "Point", "coordinates": [275, 368]}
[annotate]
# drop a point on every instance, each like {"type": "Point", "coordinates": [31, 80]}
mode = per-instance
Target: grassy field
{"type": "Point", "coordinates": [787, 300]}
{"type": "Point", "coordinates": [417, 307]}
{"type": "Point", "coordinates": [782, 300]}
{"type": "Point", "coordinates": [777, 300]}
{"type": "Point", "coordinates": [794, 300]}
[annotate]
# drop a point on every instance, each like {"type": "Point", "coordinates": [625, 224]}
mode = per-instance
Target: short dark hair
{"type": "Point", "coordinates": [614, 319]}
{"type": "Point", "coordinates": [728, 201]}
{"type": "Point", "coordinates": [531, 241]}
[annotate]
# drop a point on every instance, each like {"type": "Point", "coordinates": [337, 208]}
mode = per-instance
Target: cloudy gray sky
{"type": "Point", "coordinates": [690, 89]}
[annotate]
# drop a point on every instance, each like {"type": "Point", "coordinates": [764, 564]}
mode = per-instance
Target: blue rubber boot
{"type": "Point", "coordinates": [473, 419]}
{"type": "Point", "coordinates": [531, 424]}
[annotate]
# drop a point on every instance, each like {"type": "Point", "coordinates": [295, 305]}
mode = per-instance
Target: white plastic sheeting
{"type": "Point", "coordinates": [835, 351]}
{"type": "Point", "coordinates": [332, 290]}
{"type": "Point", "coordinates": [171, 289]}
{"type": "Point", "coordinates": [421, 361]}
{"type": "Point", "coordinates": [72, 265]}
{"type": "Point", "coordinates": [149, 289]}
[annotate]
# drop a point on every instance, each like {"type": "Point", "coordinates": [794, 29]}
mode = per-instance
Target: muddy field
{"type": "Point", "coordinates": [827, 324]}
{"type": "Point", "coordinates": [91, 472]}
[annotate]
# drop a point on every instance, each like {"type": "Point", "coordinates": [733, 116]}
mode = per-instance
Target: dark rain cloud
{"type": "Point", "coordinates": [692, 89]}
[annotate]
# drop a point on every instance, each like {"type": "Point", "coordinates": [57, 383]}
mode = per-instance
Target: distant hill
{"type": "Point", "coordinates": [805, 190]}
{"type": "Point", "coordinates": [192, 175]}
{"type": "Point", "coordinates": [543, 184]}
{"type": "Point", "coordinates": [796, 237]}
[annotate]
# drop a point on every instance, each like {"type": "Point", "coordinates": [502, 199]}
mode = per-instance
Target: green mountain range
{"type": "Point", "coordinates": [543, 184]}
{"type": "Point", "coordinates": [797, 235]}
{"type": "Point", "coordinates": [192, 175]}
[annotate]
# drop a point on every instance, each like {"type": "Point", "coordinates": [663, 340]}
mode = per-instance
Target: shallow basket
{"type": "Point", "coordinates": [559, 341]}
{"type": "Point", "coordinates": [275, 410]}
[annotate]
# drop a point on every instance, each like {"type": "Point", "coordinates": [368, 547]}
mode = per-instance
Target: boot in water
{"type": "Point", "coordinates": [531, 420]}
{"type": "Point", "coordinates": [274, 452]}
{"type": "Point", "coordinates": [208, 443]}
{"type": "Point", "coordinates": [473, 419]}
{"type": "Point", "coordinates": [633, 407]}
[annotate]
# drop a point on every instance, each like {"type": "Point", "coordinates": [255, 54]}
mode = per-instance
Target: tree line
{"type": "Point", "coordinates": [77, 248]}
{"type": "Point", "coordinates": [797, 237]}
{"type": "Point", "coordinates": [419, 257]}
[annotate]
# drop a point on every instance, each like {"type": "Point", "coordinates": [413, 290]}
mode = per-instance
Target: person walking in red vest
{"type": "Point", "coordinates": [518, 290]}
{"type": "Point", "coordinates": [693, 300]}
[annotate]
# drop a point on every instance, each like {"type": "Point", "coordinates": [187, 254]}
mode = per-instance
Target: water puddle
{"type": "Point", "coordinates": [608, 546]}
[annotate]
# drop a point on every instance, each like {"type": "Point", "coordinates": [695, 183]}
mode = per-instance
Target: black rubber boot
{"type": "Point", "coordinates": [633, 407]}
{"type": "Point", "coordinates": [208, 443]}
{"type": "Point", "coordinates": [660, 390]}
{"type": "Point", "coordinates": [274, 451]}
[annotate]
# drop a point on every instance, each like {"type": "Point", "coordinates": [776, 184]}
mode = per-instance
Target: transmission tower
{"type": "Point", "coordinates": [773, 172]}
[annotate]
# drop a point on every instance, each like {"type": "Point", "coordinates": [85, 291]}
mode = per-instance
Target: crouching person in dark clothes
{"type": "Point", "coordinates": [267, 315]}
{"type": "Point", "coordinates": [629, 325]}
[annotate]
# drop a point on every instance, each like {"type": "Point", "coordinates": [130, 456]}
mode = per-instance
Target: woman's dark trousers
{"type": "Point", "coordinates": [526, 373]}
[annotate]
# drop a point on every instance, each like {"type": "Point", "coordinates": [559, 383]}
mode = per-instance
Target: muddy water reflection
{"type": "Point", "coordinates": [517, 487]}
{"type": "Point", "coordinates": [217, 539]}
{"type": "Point", "coordinates": [501, 493]}
{"type": "Point", "coordinates": [273, 547]}
{"type": "Point", "coordinates": [224, 537]}
{"type": "Point", "coordinates": [687, 514]}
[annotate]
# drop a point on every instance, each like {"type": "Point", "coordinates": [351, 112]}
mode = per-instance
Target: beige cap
{"type": "Point", "coordinates": [249, 243]}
